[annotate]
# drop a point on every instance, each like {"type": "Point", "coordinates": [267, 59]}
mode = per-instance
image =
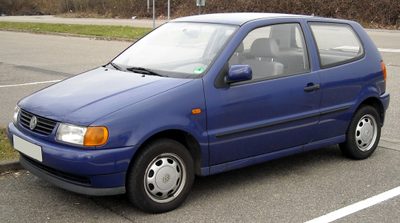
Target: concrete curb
{"type": "Point", "coordinates": [8, 165]}
{"type": "Point", "coordinates": [387, 143]}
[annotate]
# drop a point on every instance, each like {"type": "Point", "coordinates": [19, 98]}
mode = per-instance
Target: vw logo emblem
{"type": "Point", "coordinates": [166, 178]}
{"type": "Point", "coordinates": [33, 123]}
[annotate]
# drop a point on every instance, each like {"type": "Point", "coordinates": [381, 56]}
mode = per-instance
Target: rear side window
{"type": "Point", "coordinates": [336, 43]}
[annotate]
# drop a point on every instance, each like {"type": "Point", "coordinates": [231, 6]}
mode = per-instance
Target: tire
{"type": "Point", "coordinates": [363, 134]}
{"type": "Point", "coordinates": [160, 177]}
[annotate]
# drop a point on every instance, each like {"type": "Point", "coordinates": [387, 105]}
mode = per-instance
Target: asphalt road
{"type": "Point", "coordinates": [32, 59]}
{"type": "Point", "coordinates": [292, 189]}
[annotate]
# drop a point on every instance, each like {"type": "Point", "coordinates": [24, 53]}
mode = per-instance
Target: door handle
{"type": "Point", "coordinates": [312, 88]}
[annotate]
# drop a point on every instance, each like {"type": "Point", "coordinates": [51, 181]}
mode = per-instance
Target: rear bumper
{"type": "Point", "coordinates": [385, 99]}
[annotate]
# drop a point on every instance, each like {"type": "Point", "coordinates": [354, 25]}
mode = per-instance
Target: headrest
{"type": "Point", "coordinates": [264, 47]}
{"type": "Point", "coordinates": [240, 48]}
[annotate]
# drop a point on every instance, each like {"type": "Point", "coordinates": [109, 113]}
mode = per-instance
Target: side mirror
{"type": "Point", "coordinates": [238, 73]}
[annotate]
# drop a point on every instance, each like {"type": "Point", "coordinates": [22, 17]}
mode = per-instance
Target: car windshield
{"type": "Point", "coordinates": [182, 50]}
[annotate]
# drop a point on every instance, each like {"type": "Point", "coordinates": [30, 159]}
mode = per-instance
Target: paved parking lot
{"type": "Point", "coordinates": [293, 189]}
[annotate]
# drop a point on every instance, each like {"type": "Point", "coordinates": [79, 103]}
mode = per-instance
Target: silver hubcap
{"type": "Point", "coordinates": [165, 178]}
{"type": "Point", "coordinates": [366, 132]}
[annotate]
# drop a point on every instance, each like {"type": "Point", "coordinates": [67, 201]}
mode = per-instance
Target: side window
{"type": "Point", "coordinates": [336, 43]}
{"type": "Point", "coordinates": [273, 51]}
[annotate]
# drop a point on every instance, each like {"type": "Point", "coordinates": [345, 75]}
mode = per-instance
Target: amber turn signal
{"type": "Point", "coordinates": [383, 70]}
{"type": "Point", "coordinates": [196, 111]}
{"type": "Point", "coordinates": [95, 136]}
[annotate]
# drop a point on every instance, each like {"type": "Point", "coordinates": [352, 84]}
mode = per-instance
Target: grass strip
{"type": "Point", "coordinates": [7, 152]}
{"type": "Point", "coordinates": [125, 32]}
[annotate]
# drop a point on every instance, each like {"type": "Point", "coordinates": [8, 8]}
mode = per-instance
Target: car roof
{"type": "Point", "coordinates": [234, 18]}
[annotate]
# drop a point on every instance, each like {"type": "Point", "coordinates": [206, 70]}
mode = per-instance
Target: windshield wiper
{"type": "Point", "coordinates": [142, 70]}
{"type": "Point", "coordinates": [115, 66]}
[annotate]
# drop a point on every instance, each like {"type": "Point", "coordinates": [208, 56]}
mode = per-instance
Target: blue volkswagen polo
{"type": "Point", "coordinates": [201, 95]}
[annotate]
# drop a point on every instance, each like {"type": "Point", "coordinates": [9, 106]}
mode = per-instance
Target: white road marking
{"type": "Point", "coordinates": [389, 50]}
{"type": "Point", "coordinates": [333, 216]}
{"type": "Point", "coordinates": [33, 83]}
{"type": "Point", "coordinates": [355, 49]}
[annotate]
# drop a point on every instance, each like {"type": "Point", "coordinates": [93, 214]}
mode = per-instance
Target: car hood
{"type": "Point", "coordinates": [87, 97]}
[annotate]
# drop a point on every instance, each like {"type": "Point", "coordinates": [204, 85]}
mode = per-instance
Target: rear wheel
{"type": "Point", "coordinates": [363, 134]}
{"type": "Point", "coordinates": [161, 176]}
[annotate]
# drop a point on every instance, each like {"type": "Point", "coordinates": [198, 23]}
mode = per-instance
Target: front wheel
{"type": "Point", "coordinates": [161, 176]}
{"type": "Point", "coordinates": [363, 134]}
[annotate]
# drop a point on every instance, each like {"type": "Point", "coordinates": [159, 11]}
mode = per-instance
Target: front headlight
{"type": "Point", "coordinates": [17, 109]}
{"type": "Point", "coordinates": [81, 135]}
{"type": "Point", "coordinates": [71, 133]}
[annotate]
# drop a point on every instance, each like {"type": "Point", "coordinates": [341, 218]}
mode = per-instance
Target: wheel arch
{"type": "Point", "coordinates": [185, 138]}
{"type": "Point", "coordinates": [375, 103]}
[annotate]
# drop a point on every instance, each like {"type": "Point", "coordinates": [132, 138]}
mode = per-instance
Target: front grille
{"type": "Point", "coordinates": [61, 174]}
{"type": "Point", "coordinates": [44, 125]}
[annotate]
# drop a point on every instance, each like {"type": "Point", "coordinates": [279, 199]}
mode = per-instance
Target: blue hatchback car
{"type": "Point", "coordinates": [201, 95]}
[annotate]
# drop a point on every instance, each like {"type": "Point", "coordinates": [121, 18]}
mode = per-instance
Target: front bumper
{"type": "Point", "coordinates": [89, 172]}
{"type": "Point", "coordinates": [70, 186]}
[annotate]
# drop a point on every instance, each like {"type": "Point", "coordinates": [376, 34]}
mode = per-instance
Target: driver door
{"type": "Point", "coordinates": [267, 113]}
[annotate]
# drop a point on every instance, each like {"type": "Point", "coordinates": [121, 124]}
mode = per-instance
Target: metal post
{"type": "Point", "coordinates": [148, 5]}
{"type": "Point", "coordinates": [200, 3]}
{"type": "Point", "coordinates": [168, 8]}
{"type": "Point", "coordinates": [154, 14]}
